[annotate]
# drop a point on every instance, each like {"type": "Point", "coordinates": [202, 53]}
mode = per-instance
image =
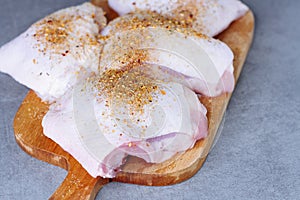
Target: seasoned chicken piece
{"type": "Point", "coordinates": [203, 64]}
{"type": "Point", "coordinates": [209, 17]}
{"type": "Point", "coordinates": [106, 119]}
{"type": "Point", "coordinates": [56, 51]}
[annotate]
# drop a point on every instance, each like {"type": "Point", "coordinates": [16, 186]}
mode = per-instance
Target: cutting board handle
{"type": "Point", "coordinates": [78, 185]}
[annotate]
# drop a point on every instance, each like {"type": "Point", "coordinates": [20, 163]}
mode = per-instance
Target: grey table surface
{"type": "Point", "coordinates": [258, 153]}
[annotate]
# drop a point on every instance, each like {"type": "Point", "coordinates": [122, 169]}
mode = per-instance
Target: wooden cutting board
{"type": "Point", "coordinates": [79, 184]}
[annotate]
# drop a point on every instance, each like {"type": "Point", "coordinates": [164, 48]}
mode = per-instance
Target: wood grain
{"type": "Point", "coordinates": [79, 184]}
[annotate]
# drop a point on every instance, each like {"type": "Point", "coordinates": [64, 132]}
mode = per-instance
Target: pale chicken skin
{"type": "Point", "coordinates": [209, 17]}
{"type": "Point", "coordinates": [100, 132]}
{"type": "Point", "coordinates": [183, 57]}
{"type": "Point", "coordinates": [56, 51]}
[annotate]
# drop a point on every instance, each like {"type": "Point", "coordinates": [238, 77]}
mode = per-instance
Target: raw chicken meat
{"type": "Point", "coordinates": [100, 128]}
{"type": "Point", "coordinates": [206, 64]}
{"type": "Point", "coordinates": [209, 17]}
{"type": "Point", "coordinates": [56, 51]}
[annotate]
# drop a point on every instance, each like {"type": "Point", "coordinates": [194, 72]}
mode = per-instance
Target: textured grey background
{"type": "Point", "coordinates": [258, 153]}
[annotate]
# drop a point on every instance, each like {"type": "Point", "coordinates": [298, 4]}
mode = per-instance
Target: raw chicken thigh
{"type": "Point", "coordinates": [205, 64]}
{"type": "Point", "coordinates": [56, 51]}
{"type": "Point", "coordinates": [99, 126]}
{"type": "Point", "coordinates": [209, 17]}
